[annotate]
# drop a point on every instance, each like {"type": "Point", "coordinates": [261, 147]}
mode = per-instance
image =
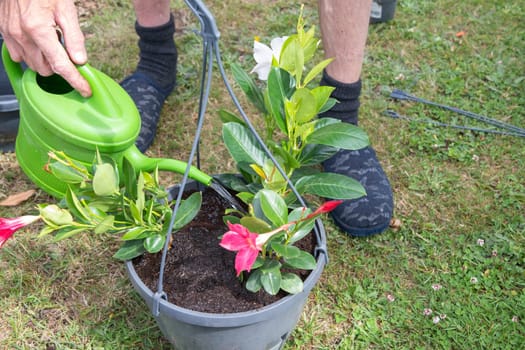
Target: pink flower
{"type": "Point", "coordinates": [247, 244]}
{"type": "Point", "coordinates": [326, 207]}
{"type": "Point", "coordinates": [8, 226]}
{"type": "Point", "coordinates": [244, 242]}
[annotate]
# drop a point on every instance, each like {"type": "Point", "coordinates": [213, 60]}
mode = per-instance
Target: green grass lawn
{"type": "Point", "coordinates": [452, 276]}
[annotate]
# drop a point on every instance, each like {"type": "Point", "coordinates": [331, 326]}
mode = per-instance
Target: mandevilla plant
{"type": "Point", "coordinates": [293, 133]}
{"type": "Point", "coordinates": [265, 237]}
{"type": "Point", "coordinates": [139, 211]}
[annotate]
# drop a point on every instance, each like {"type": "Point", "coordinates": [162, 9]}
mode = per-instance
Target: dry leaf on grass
{"type": "Point", "coordinates": [16, 199]}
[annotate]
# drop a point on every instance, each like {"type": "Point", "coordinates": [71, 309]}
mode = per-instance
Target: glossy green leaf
{"type": "Point", "coordinates": [316, 70]}
{"type": "Point", "coordinates": [271, 281]}
{"type": "Point", "coordinates": [129, 178]}
{"type": "Point", "coordinates": [306, 106]}
{"type": "Point", "coordinates": [285, 250]}
{"type": "Point", "coordinates": [153, 244]}
{"type": "Point", "coordinates": [248, 86]}
{"type": "Point", "coordinates": [105, 225]}
{"type": "Point", "coordinates": [331, 185]}
{"type": "Point", "coordinates": [75, 207]}
{"type": "Point", "coordinates": [227, 117]}
{"type": "Point", "coordinates": [133, 233]}
{"type": "Point", "coordinates": [315, 154]}
{"type": "Point", "coordinates": [130, 250]}
{"type": "Point", "coordinates": [55, 215]}
{"type": "Point", "coordinates": [273, 207]}
{"type": "Point", "coordinates": [255, 225]}
{"type": "Point", "coordinates": [105, 180]}
{"type": "Point", "coordinates": [187, 211]}
{"type": "Point", "coordinates": [68, 231]}
{"type": "Point", "coordinates": [292, 57]}
{"type": "Point", "coordinates": [291, 283]}
{"type": "Point", "coordinates": [66, 173]}
{"type": "Point", "coordinates": [254, 283]}
{"type": "Point", "coordinates": [280, 88]}
{"type": "Point", "coordinates": [242, 145]}
{"type": "Point", "coordinates": [304, 261]}
{"type": "Point", "coordinates": [341, 135]}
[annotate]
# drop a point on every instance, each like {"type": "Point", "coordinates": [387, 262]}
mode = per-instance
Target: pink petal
{"type": "Point", "coordinates": [244, 259]}
{"type": "Point", "coordinates": [233, 241]}
{"type": "Point", "coordinates": [8, 226]}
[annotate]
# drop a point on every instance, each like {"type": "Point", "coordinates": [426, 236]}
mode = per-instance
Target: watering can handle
{"type": "Point", "coordinates": [13, 69]}
{"type": "Point", "coordinates": [102, 96]}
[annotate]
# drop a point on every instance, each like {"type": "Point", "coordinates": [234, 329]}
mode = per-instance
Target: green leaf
{"type": "Point", "coordinates": [55, 215]}
{"type": "Point", "coordinates": [129, 176]}
{"type": "Point", "coordinates": [188, 209]}
{"type": "Point", "coordinates": [130, 250]}
{"type": "Point", "coordinates": [153, 244]}
{"type": "Point", "coordinates": [328, 105]}
{"type": "Point", "coordinates": [133, 233]}
{"type": "Point", "coordinates": [66, 173]}
{"type": "Point", "coordinates": [141, 198]}
{"type": "Point", "coordinates": [303, 229]}
{"type": "Point", "coordinates": [304, 261]}
{"type": "Point", "coordinates": [254, 283]}
{"type": "Point", "coordinates": [105, 225]}
{"type": "Point", "coordinates": [75, 207]}
{"type": "Point", "coordinates": [341, 135]}
{"type": "Point", "coordinates": [315, 154]}
{"type": "Point", "coordinates": [291, 283]}
{"type": "Point", "coordinates": [280, 87]}
{"type": "Point", "coordinates": [271, 281]}
{"type": "Point", "coordinates": [242, 145]}
{"type": "Point", "coordinates": [273, 206]}
{"type": "Point", "coordinates": [316, 70]}
{"type": "Point", "coordinates": [331, 185]}
{"type": "Point", "coordinates": [232, 181]}
{"type": "Point", "coordinates": [292, 57]}
{"type": "Point", "coordinates": [322, 96]}
{"type": "Point", "coordinates": [68, 231]}
{"type": "Point", "coordinates": [306, 105]}
{"type": "Point", "coordinates": [229, 117]}
{"type": "Point", "coordinates": [105, 180]}
{"type": "Point", "coordinates": [247, 84]}
{"type": "Point", "coordinates": [255, 225]}
{"type": "Point", "coordinates": [285, 250]}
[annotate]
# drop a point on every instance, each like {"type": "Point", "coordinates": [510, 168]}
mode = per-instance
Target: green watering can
{"type": "Point", "coordinates": [55, 117]}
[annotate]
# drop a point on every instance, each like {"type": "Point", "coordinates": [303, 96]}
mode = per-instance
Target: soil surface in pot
{"type": "Point", "coordinates": [199, 274]}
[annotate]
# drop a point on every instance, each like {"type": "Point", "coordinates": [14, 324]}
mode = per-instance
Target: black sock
{"type": "Point", "coordinates": [158, 53]}
{"type": "Point", "coordinates": [347, 96]}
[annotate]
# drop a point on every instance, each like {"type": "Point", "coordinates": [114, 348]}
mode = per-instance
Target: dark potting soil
{"type": "Point", "coordinates": [199, 274]}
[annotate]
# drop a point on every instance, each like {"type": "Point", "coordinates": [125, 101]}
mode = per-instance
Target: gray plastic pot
{"type": "Point", "coordinates": [266, 328]}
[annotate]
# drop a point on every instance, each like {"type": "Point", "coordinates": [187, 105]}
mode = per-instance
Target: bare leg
{"type": "Point", "coordinates": [152, 13]}
{"type": "Point", "coordinates": [344, 29]}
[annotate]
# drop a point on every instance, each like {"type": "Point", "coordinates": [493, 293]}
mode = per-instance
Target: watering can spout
{"type": "Point", "coordinates": [144, 163]}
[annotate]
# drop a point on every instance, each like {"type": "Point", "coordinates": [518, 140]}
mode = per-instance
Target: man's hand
{"type": "Point", "coordinates": [29, 29]}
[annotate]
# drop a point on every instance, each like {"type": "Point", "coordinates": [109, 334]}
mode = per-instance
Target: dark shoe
{"type": "Point", "coordinates": [372, 213]}
{"type": "Point", "coordinates": [149, 99]}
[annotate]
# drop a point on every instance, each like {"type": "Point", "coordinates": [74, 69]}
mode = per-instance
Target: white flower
{"type": "Point", "coordinates": [264, 56]}
{"type": "Point", "coordinates": [390, 298]}
{"type": "Point", "coordinates": [437, 286]}
{"type": "Point", "coordinates": [436, 319]}
{"type": "Point", "coordinates": [473, 280]}
{"type": "Point", "coordinates": [481, 242]}
{"type": "Point", "coordinates": [427, 312]}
